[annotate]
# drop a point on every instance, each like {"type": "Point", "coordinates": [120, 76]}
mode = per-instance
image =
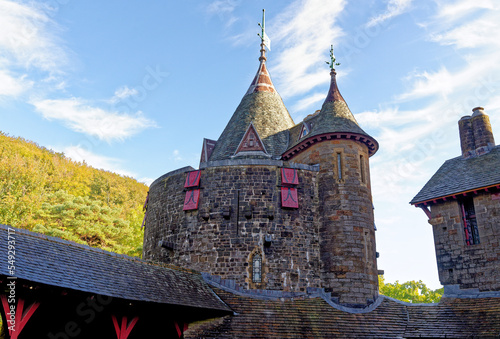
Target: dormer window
{"type": "Point", "coordinates": [304, 130]}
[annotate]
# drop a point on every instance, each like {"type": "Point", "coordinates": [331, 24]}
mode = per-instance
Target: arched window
{"type": "Point", "coordinates": [257, 268]}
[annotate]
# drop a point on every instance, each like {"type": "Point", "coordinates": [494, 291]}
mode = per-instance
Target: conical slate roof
{"type": "Point", "coordinates": [335, 117]}
{"type": "Point", "coordinates": [262, 107]}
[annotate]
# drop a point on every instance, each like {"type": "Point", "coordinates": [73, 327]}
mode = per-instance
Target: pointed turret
{"type": "Point", "coordinates": [262, 110]}
{"type": "Point", "coordinates": [334, 120]}
{"type": "Point", "coordinates": [335, 116]}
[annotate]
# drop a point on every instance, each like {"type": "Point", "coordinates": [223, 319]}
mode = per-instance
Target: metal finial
{"type": "Point", "coordinates": [332, 63]}
{"type": "Point", "coordinates": [262, 26]}
{"type": "Point", "coordinates": [264, 39]}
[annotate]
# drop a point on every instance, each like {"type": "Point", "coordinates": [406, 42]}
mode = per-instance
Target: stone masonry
{"type": "Point", "coordinates": [347, 233]}
{"type": "Point", "coordinates": [469, 266]}
{"type": "Point", "coordinates": [240, 214]}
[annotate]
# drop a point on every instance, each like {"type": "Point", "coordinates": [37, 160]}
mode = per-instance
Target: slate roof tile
{"type": "Point", "coordinates": [56, 262]}
{"type": "Point", "coordinates": [315, 318]}
{"type": "Point", "coordinates": [263, 107]}
{"type": "Point", "coordinates": [334, 117]}
{"type": "Point", "coordinates": [459, 175]}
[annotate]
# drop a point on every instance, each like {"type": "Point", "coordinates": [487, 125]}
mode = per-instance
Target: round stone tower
{"type": "Point", "coordinates": [347, 230]}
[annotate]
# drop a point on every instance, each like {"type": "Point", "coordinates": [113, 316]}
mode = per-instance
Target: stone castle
{"type": "Point", "coordinates": [274, 205]}
{"type": "Point", "coordinates": [280, 206]}
{"type": "Point", "coordinates": [279, 221]}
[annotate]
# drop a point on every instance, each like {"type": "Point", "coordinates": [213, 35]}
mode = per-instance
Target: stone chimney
{"type": "Point", "coordinates": [483, 134]}
{"type": "Point", "coordinates": [476, 135]}
{"type": "Point", "coordinates": [467, 137]}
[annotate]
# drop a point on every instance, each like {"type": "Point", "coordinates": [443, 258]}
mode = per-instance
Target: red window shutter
{"type": "Point", "coordinates": [191, 200]}
{"type": "Point", "coordinates": [289, 197]}
{"type": "Point", "coordinates": [192, 179]}
{"type": "Point", "coordinates": [289, 176]}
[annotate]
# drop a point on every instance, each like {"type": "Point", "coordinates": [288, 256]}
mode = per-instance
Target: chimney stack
{"type": "Point", "coordinates": [467, 137]}
{"type": "Point", "coordinates": [476, 135]}
{"type": "Point", "coordinates": [483, 134]}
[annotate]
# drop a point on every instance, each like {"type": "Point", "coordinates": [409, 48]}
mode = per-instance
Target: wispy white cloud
{"type": "Point", "coordinates": [476, 33]}
{"type": "Point", "coordinates": [456, 11]}
{"type": "Point", "coordinates": [29, 37]}
{"type": "Point", "coordinates": [81, 154]}
{"type": "Point", "coordinates": [394, 8]}
{"type": "Point", "coordinates": [224, 9]}
{"type": "Point", "coordinates": [305, 30]}
{"type": "Point", "coordinates": [415, 141]}
{"type": "Point", "coordinates": [30, 48]}
{"type": "Point", "coordinates": [308, 102]}
{"type": "Point", "coordinates": [91, 120]}
{"type": "Point", "coordinates": [123, 93]}
{"type": "Point", "coordinates": [12, 86]}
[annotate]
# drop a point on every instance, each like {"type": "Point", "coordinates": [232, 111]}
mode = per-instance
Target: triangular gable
{"type": "Point", "coordinates": [251, 142]}
{"type": "Point", "coordinates": [304, 130]}
{"type": "Point", "coordinates": [207, 149]}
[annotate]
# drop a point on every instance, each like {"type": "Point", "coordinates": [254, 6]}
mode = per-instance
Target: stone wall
{"type": "Point", "coordinates": [347, 233]}
{"type": "Point", "coordinates": [469, 266]}
{"type": "Point", "coordinates": [239, 215]}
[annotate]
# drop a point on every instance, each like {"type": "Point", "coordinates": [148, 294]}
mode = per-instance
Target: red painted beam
{"type": "Point", "coordinates": [21, 319]}
{"type": "Point", "coordinates": [180, 331]}
{"type": "Point", "coordinates": [426, 211]}
{"type": "Point", "coordinates": [123, 331]}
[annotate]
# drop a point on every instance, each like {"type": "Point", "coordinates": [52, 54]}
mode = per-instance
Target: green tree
{"type": "Point", "coordinates": [410, 291]}
{"type": "Point", "coordinates": [44, 191]}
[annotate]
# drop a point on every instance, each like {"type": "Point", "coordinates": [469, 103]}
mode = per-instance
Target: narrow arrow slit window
{"type": "Point", "coordinates": [257, 268]}
{"type": "Point", "coordinates": [339, 166]}
{"type": "Point", "coordinates": [362, 169]}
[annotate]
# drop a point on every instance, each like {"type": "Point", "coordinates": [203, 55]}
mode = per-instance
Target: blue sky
{"type": "Point", "coordinates": [134, 86]}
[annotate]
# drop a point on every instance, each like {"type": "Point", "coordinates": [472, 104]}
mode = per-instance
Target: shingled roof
{"type": "Point", "coordinates": [263, 107]}
{"type": "Point", "coordinates": [56, 262]}
{"type": "Point", "coordinates": [460, 175]}
{"type": "Point", "coordinates": [335, 117]}
{"type": "Point", "coordinates": [315, 318]}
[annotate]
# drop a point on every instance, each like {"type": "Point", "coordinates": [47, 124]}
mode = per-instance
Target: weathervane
{"type": "Point", "coordinates": [265, 41]}
{"type": "Point", "coordinates": [332, 63]}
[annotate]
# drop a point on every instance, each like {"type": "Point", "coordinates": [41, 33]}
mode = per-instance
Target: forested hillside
{"type": "Point", "coordinates": [46, 192]}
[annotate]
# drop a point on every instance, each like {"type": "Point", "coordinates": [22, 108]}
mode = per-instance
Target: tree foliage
{"type": "Point", "coordinates": [410, 291]}
{"type": "Point", "coordinates": [44, 191]}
